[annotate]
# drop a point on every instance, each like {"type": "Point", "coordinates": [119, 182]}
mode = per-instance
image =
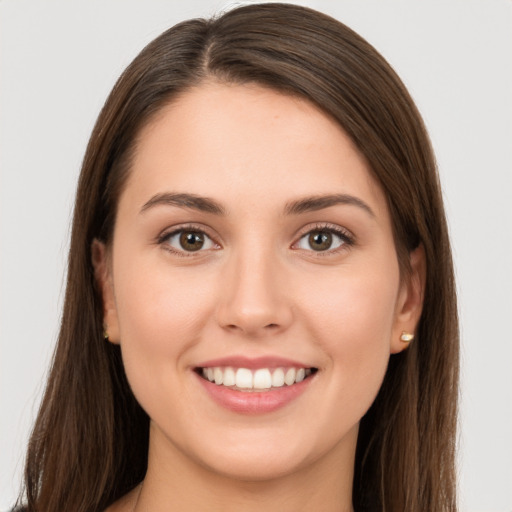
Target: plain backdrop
{"type": "Point", "coordinates": [58, 61]}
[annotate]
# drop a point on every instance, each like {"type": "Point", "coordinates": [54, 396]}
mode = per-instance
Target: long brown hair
{"type": "Point", "coordinates": [89, 444]}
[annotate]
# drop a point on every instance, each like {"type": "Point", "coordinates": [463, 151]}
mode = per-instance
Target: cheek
{"type": "Point", "coordinates": [161, 315]}
{"type": "Point", "coordinates": [351, 320]}
{"type": "Point", "coordinates": [355, 306]}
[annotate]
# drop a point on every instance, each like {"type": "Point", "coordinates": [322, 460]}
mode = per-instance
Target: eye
{"type": "Point", "coordinates": [323, 240]}
{"type": "Point", "coordinates": [187, 240]}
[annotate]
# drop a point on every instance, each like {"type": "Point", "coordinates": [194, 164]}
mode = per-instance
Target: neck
{"type": "Point", "coordinates": [176, 482]}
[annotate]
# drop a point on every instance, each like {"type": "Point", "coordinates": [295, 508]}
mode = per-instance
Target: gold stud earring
{"type": "Point", "coordinates": [406, 337]}
{"type": "Point", "coordinates": [105, 333]}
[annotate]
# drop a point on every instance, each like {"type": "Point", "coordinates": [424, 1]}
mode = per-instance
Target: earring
{"type": "Point", "coordinates": [105, 333]}
{"type": "Point", "coordinates": [406, 337]}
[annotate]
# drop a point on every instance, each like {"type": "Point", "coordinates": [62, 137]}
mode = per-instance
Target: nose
{"type": "Point", "coordinates": [254, 299]}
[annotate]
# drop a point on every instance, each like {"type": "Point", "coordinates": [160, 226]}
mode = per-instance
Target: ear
{"type": "Point", "coordinates": [410, 300]}
{"type": "Point", "coordinates": [103, 276]}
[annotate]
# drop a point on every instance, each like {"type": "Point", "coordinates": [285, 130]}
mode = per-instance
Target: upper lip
{"type": "Point", "coordinates": [253, 362]}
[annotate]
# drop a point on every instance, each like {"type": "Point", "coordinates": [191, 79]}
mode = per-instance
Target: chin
{"type": "Point", "coordinates": [258, 468]}
{"type": "Point", "coordinates": [260, 458]}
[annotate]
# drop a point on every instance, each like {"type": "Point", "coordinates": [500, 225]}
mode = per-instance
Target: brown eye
{"type": "Point", "coordinates": [323, 240]}
{"type": "Point", "coordinates": [191, 240]}
{"type": "Point", "coordinates": [320, 240]}
{"type": "Point", "coordinates": [187, 241]}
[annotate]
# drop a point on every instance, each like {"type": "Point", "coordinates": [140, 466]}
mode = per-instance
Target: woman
{"type": "Point", "coordinates": [260, 308]}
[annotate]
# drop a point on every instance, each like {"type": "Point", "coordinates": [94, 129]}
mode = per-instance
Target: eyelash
{"type": "Point", "coordinates": [344, 235]}
{"type": "Point", "coordinates": [164, 238]}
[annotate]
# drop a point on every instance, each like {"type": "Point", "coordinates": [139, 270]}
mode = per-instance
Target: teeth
{"type": "Point", "coordinates": [260, 379]}
{"type": "Point", "coordinates": [243, 379]}
{"type": "Point", "coordinates": [289, 377]}
{"type": "Point", "coordinates": [229, 377]}
{"type": "Point", "coordinates": [218, 375]}
{"type": "Point", "coordinates": [278, 378]}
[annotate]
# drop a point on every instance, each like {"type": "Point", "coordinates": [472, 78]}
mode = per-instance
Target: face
{"type": "Point", "coordinates": [254, 249]}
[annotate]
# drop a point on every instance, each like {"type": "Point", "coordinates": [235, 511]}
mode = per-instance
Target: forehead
{"type": "Point", "coordinates": [250, 143]}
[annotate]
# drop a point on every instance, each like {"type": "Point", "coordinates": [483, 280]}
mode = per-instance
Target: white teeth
{"type": "Point", "coordinates": [289, 377]}
{"type": "Point", "coordinates": [218, 375]}
{"type": "Point", "coordinates": [243, 379]}
{"type": "Point", "coordinates": [229, 377]}
{"type": "Point", "coordinates": [278, 378]}
{"type": "Point", "coordinates": [260, 379]}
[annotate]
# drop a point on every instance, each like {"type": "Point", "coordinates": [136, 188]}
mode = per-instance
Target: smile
{"type": "Point", "coordinates": [259, 379]}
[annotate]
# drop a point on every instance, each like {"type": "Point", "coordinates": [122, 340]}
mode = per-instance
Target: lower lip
{"type": "Point", "coordinates": [254, 402]}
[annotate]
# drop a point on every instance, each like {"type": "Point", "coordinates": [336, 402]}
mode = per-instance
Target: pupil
{"type": "Point", "coordinates": [320, 240]}
{"type": "Point", "coordinates": [191, 241]}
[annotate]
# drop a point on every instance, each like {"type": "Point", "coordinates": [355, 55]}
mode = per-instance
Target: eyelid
{"type": "Point", "coordinates": [169, 232]}
{"type": "Point", "coordinates": [346, 235]}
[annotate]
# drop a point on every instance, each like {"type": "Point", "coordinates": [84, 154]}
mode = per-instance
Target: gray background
{"type": "Point", "coordinates": [58, 61]}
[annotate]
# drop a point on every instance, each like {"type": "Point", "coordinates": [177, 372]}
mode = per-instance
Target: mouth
{"type": "Point", "coordinates": [254, 380]}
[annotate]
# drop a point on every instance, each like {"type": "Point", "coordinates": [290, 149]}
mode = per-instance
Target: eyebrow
{"type": "Point", "coordinates": [192, 201]}
{"type": "Point", "coordinates": [208, 205]}
{"type": "Point", "coordinates": [314, 203]}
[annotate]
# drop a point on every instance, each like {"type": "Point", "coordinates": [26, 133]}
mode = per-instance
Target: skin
{"type": "Point", "coordinates": [257, 289]}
